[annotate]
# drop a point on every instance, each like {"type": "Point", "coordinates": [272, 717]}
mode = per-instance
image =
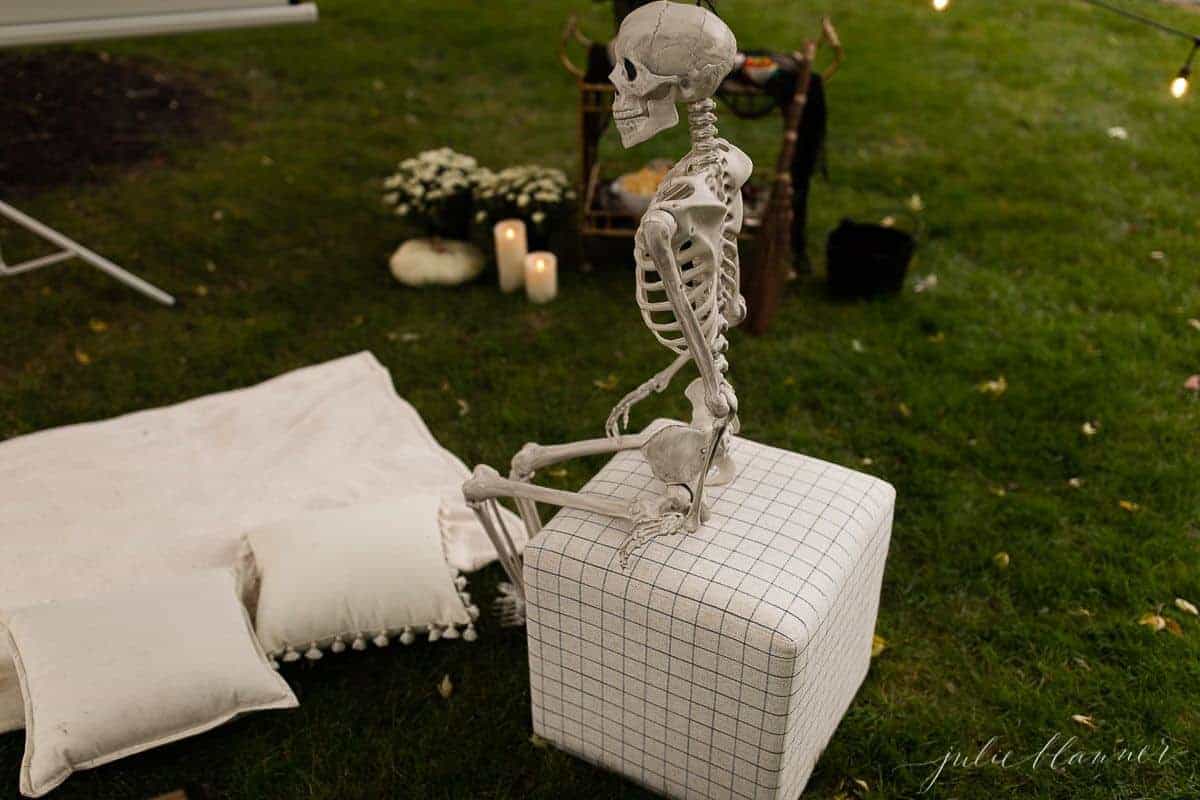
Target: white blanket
{"type": "Point", "coordinates": [91, 507]}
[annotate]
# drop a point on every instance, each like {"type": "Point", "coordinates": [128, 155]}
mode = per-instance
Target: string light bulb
{"type": "Point", "coordinates": [941, 5]}
{"type": "Point", "coordinates": [1179, 86]}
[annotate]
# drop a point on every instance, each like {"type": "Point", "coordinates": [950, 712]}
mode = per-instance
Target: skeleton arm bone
{"type": "Point", "coordinates": [620, 414]}
{"type": "Point", "coordinates": [657, 229]}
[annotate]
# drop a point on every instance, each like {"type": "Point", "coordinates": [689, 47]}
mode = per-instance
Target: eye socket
{"type": "Point", "coordinates": [630, 70]}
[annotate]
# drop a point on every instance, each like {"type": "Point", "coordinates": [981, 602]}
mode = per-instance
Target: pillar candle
{"type": "Point", "coordinates": [541, 276]}
{"type": "Point", "coordinates": [511, 247]}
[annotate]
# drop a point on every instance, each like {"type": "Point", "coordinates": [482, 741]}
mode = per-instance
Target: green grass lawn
{"type": "Point", "coordinates": [1040, 230]}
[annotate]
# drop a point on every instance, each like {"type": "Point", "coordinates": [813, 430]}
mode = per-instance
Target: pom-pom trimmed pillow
{"type": "Point", "coordinates": [108, 676]}
{"type": "Point", "coordinates": [341, 577]}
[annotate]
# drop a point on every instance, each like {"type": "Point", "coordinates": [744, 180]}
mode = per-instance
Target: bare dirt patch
{"type": "Point", "coordinates": [70, 115]}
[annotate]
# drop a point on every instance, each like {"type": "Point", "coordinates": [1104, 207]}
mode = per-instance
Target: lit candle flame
{"type": "Point", "coordinates": [540, 265]}
{"type": "Point", "coordinates": [1179, 86]}
{"type": "Point", "coordinates": [941, 5]}
{"type": "Point", "coordinates": [509, 233]}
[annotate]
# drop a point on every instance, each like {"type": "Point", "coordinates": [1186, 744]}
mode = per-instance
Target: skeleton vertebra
{"type": "Point", "coordinates": [687, 286]}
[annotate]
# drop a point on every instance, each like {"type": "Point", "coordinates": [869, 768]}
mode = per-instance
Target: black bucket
{"type": "Point", "coordinates": [864, 259]}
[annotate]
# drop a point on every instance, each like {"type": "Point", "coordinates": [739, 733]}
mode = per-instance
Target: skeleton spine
{"type": "Point", "coordinates": [702, 125]}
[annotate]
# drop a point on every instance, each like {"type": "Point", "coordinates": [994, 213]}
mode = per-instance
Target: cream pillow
{"type": "Point", "coordinates": [111, 675]}
{"type": "Point", "coordinates": [345, 576]}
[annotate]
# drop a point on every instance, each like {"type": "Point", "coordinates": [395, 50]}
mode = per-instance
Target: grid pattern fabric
{"type": "Point", "coordinates": [717, 664]}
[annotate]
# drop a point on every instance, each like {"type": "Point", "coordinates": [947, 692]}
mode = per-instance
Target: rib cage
{"type": "Point", "coordinates": [696, 192]}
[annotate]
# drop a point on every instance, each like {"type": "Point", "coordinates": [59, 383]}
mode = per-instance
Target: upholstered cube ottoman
{"type": "Point", "coordinates": [717, 664]}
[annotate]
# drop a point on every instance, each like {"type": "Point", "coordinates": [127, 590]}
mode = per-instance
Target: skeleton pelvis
{"type": "Point", "coordinates": [677, 455]}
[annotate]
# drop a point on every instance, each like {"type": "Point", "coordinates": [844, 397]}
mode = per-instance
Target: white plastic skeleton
{"type": "Point", "coordinates": [687, 289]}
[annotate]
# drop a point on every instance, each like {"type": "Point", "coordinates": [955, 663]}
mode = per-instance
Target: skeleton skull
{"type": "Point", "coordinates": [666, 53]}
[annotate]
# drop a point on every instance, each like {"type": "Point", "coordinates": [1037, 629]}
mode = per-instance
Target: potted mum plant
{"type": "Point", "coordinates": [434, 191]}
{"type": "Point", "coordinates": [539, 195]}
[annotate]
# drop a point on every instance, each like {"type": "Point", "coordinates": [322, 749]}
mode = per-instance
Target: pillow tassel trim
{"type": "Point", "coordinates": [406, 635]}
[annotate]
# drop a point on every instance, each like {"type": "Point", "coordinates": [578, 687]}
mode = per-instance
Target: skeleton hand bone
{"type": "Point", "coordinates": [718, 404]}
{"type": "Point", "coordinates": [619, 418]}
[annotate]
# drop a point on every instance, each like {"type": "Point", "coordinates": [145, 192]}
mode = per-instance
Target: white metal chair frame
{"type": "Point", "coordinates": [61, 32]}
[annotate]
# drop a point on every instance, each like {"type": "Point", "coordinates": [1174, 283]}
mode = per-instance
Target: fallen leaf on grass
{"type": "Point", "coordinates": [1129, 506]}
{"type": "Point", "coordinates": [538, 742]}
{"type": "Point", "coordinates": [446, 688]}
{"type": "Point", "coordinates": [1195, 323]}
{"type": "Point", "coordinates": [1090, 428]}
{"type": "Point", "coordinates": [930, 281]}
{"type": "Point", "coordinates": [1075, 483]}
{"type": "Point", "coordinates": [1118, 132]}
{"type": "Point", "coordinates": [1186, 607]}
{"type": "Point", "coordinates": [878, 645]}
{"type": "Point", "coordinates": [997, 387]}
{"type": "Point", "coordinates": [606, 384]}
{"type": "Point", "coordinates": [200, 290]}
{"type": "Point", "coordinates": [938, 338]}
{"type": "Point", "coordinates": [1158, 255]}
{"type": "Point", "coordinates": [464, 407]}
{"type": "Point", "coordinates": [1192, 384]}
{"type": "Point", "coordinates": [904, 410]}
{"type": "Point", "coordinates": [98, 325]}
{"type": "Point", "coordinates": [1001, 560]}
{"type": "Point", "coordinates": [82, 357]}
{"type": "Point", "coordinates": [1174, 627]}
{"type": "Point", "coordinates": [915, 203]}
{"type": "Point", "coordinates": [857, 346]}
{"type": "Point", "coordinates": [859, 782]}
{"type": "Point", "coordinates": [1085, 720]}
{"type": "Point", "coordinates": [1080, 612]}
{"type": "Point", "coordinates": [999, 491]}
{"type": "Point", "coordinates": [1153, 621]}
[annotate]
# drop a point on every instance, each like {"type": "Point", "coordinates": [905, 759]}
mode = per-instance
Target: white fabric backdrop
{"type": "Point", "coordinates": [21, 12]}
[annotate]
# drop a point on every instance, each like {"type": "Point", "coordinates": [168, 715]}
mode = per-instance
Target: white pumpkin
{"type": "Point", "coordinates": [443, 262]}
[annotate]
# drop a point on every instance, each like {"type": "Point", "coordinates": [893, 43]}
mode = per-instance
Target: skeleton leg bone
{"type": "Point", "coordinates": [486, 484]}
{"type": "Point", "coordinates": [533, 457]}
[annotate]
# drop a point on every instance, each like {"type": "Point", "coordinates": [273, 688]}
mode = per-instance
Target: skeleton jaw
{"type": "Point", "coordinates": [637, 125]}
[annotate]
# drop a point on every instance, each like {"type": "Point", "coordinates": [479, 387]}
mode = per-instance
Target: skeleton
{"type": "Point", "coordinates": [686, 257]}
